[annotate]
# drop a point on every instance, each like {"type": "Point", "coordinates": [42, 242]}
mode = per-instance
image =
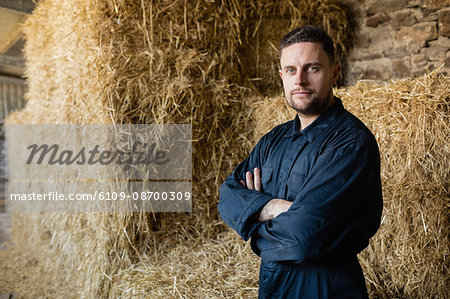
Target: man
{"type": "Point", "coordinates": [309, 193]}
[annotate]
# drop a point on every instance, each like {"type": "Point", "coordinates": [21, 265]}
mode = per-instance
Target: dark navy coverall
{"type": "Point", "coordinates": [331, 173]}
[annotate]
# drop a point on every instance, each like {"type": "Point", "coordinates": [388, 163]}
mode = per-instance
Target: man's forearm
{"type": "Point", "coordinates": [267, 211]}
{"type": "Point", "coordinates": [273, 208]}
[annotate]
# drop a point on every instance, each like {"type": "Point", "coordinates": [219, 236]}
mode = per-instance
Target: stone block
{"type": "Point", "coordinates": [378, 69]}
{"type": "Point", "coordinates": [420, 59]}
{"type": "Point", "coordinates": [381, 39]}
{"type": "Point", "coordinates": [373, 74]}
{"type": "Point", "coordinates": [368, 74]}
{"type": "Point", "coordinates": [441, 42]}
{"type": "Point", "coordinates": [416, 3]}
{"type": "Point", "coordinates": [434, 4]}
{"type": "Point", "coordinates": [417, 35]}
{"type": "Point", "coordinates": [447, 63]}
{"type": "Point", "coordinates": [429, 17]}
{"type": "Point", "coordinates": [366, 57]}
{"type": "Point", "coordinates": [426, 31]}
{"type": "Point", "coordinates": [396, 53]}
{"type": "Point", "coordinates": [377, 20]}
{"type": "Point", "coordinates": [376, 6]}
{"type": "Point", "coordinates": [418, 63]}
{"type": "Point", "coordinates": [444, 22]}
{"type": "Point", "coordinates": [400, 68]}
{"type": "Point", "coordinates": [443, 64]}
{"type": "Point", "coordinates": [435, 53]}
{"type": "Point", "coordinates": [406, 17]}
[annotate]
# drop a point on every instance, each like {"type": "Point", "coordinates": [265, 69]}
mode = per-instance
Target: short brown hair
{"type": "Point", "coordinates": [312, 34]}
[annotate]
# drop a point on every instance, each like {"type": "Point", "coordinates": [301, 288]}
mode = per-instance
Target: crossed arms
{"type": "Point", "coordinates": [271, 209]}
{"type": "Point", "coordinates": [337, 210]}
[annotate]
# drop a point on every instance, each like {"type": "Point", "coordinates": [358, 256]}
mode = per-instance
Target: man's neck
{"type": "Point", "coordinates": [306, 120]}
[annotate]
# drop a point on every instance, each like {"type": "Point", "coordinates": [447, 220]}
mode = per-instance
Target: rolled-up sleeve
{"type": "Point", "coordinates": [337, 209]}
{"type": "Point", "coordinates": [239, 206]}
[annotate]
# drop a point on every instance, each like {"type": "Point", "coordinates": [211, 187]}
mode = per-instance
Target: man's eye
{"type": "Point", "coordinates": [290, 70]}
{"type": "Point", "coordinates": [312, 69]}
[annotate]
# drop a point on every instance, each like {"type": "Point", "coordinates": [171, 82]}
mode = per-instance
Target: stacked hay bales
{"type": "Point", "coordinates": [118, 61]}
{"type": "Point", "coordinates": [211, 65]}
{"type": "Point", "coordinates": [408, 257]}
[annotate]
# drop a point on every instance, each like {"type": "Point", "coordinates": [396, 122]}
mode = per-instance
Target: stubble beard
{"type": "Point", "coordinates": [315, 107]}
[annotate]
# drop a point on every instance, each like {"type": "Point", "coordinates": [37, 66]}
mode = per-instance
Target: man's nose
{"type": "Point", "coordinates": [300, 78]}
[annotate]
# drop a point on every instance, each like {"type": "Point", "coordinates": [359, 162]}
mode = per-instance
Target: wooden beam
{"type": "Point", "coordinates": [12, 80]}
{"type": "Point", "coordinates": [25, 6]}
{"type": "Point", "coordinates": [12, 38]}
{"type": "Point", "coordinates": [12, 65]}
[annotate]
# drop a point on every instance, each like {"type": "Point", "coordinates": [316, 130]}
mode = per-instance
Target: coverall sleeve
{"type": "Point", "coordinates": [337, 209]}
{"type": "Point", "coordinates": [239, 206]}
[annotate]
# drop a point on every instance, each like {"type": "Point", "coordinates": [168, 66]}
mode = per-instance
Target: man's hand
{"type": "Point", "coordinates": [253, 185]}
{"type": "Point", "coordinates": [272, 208]}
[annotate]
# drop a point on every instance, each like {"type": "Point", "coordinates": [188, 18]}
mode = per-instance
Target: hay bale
{"type": "Point", "coordinates": [223, 267]}
{"type": "Point", "coordinates": [117, 61]}
{"type": "Point", "coordinates": [407, 258]}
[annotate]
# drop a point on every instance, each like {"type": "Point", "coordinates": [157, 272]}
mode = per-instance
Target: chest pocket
{"type": "Point", "coordinates": [294, 184]}
{"type": "Point", "coordinates": [266, 178]}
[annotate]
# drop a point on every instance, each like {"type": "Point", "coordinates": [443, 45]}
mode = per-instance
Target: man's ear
{"type": "Point", "coordinates": [336, 70]}
{"type": "Point", "coordinates": [281, 74]}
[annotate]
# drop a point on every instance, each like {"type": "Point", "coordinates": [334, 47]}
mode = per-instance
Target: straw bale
{"type": "Point", "coordinates": [61, 53]}
{"type": "Point", "coordinates": [223, 267]}
{"type": "Point", "coordinates": [118, 61]}
{"type": "Point", "coordinates": [408, 257]}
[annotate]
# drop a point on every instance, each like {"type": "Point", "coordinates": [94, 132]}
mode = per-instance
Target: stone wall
{"type": "Point", "coordinates": [398, 38]}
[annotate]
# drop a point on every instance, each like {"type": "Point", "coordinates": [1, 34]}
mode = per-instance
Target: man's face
{"type": "Point", "coordinates": [308, 77]}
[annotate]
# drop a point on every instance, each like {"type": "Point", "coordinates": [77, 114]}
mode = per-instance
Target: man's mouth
{"type": "Point", "coordinates": [301, 92]}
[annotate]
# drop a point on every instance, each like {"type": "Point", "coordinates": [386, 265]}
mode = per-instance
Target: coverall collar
{"type": "Point", "coordinates": [324, 120]}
